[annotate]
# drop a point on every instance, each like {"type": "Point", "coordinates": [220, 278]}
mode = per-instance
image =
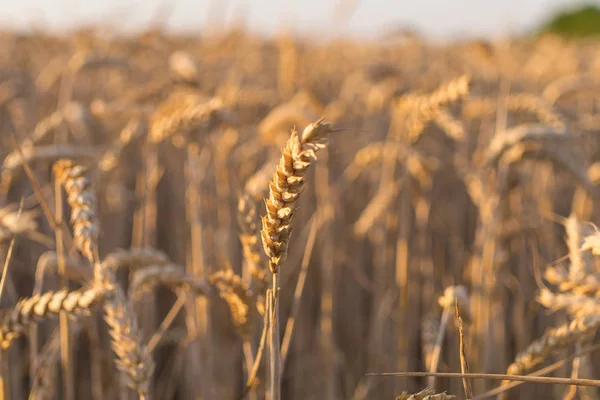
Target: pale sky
{"type": "Point", "coordinates": [435, 18]}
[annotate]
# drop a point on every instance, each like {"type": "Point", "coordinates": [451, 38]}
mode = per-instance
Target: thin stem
{"type": "Point", "coordinates": [166, 323]}
{"type": "Point", "coordinates": [289, 327]}
{"type": "Point", "coordinates": [65, 349]}
{"type": "Point", "coordinates": [261, 347]}
{"type": "Point", "coordinates": [274, 350]}
{"type": "Point", "coordinates": [435, 358]}
{"type": "Point", "coordinates": [497, 377]}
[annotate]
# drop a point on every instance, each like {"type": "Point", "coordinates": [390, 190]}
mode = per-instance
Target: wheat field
{"type": "Point", "coordinates": [229, 216]}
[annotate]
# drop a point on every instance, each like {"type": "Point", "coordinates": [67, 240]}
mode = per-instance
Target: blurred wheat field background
{"type": "Point", "coordinates": [416, 206]}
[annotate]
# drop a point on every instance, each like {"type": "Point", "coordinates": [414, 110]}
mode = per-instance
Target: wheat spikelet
{"type": "Point", "coordinates": [182, 114]}
{"type": "Point", "coordinates": [82, 199]}
{"type": "Point", "coordinates": [592, 243]}
{"type": "Point", "coordinates": [588, 285]}
{"type": "Point", "coordinates": [14, 322]}
{"type": "Point", "coordinates": [425, 394]}
{"type": "Point", "coordinates": [249, 239]}
{"type": "Point", "coordinates": [183, 65]}
{"type": "Point", "coordinates": [416, 110]}
{"type": "Point", "coordinates": [14, 223]}
{"type": "Point", "coordinates": [581, 263]}
{"type": "Point", "coordinates": [575, 304]}
{"type": "Point", "coordinates": [285, 188]}
{"type": "Point", "coordinates": [132, 358]}
{"type": "Point", "coordinates": [238, 297]}
{"type": "Point", "coordinates": [554, 339]}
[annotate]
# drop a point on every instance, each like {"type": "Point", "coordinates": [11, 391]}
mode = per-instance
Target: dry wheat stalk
{"type": "Point", "coordinates": [554, 339]}
{"type": "Point", "coordinates": [82, 199]}
{"type": "Point", "coordinates": [285, 188]}
{"type": "Point", "coordinates": [110, 158]}
{"type": "Point", "coordinates": [425, 394]}
{"type": "Point", "coordinates": [430, 327]}
{"type": "Point", "coordinates": [13, 323]}
{"type": "Point", "coordinates": [418, 166]}
{"type": "Point", "coordinates": [174, 276]}
{"type": "Point", "coordinates": [378, 205]}
{"type": "Point", "coordinates": [11, 167]}
{"type": "Point", "coordinates": [450, 125]}
{"type": "Point", "coordinates": [44, 382]}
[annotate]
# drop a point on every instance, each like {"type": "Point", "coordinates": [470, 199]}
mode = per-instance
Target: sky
{"type": "Point", "coordinates": [441, 19]}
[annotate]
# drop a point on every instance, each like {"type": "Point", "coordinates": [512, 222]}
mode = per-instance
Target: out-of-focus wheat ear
{"type": "Point", "coordinates": [553, 340]}
{"type": "Point", "coordinates": [592, 243]}
{"type": "Point", "coordinates": [238, 297]}
{"type": "Point", "coordinates": [575, 304]}
{"type": "Point", "coordinates": [14, 223]}
{"type": "Point", "coordinates": [82, 199]}
{"type": "Point", "coordinates": [249, 238]}
{"type": "Point", "coordinates": [182, 114]}
{"type": "Point", "coordinates": [133, 360]}
{"type": "Point", "coordinates": [133, 259]}
{"type": "Point", "coordinates": [413, 112]}
{"type": "Point", "coordinates": [13, 323]}
{"type": "Point", "coordinates": [425, 394]}
{"type": "Point", "coordinates": [581, 263]}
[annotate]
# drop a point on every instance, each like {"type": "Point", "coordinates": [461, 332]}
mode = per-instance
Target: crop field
{"type": "Point", "coordinates": [228, 216]}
